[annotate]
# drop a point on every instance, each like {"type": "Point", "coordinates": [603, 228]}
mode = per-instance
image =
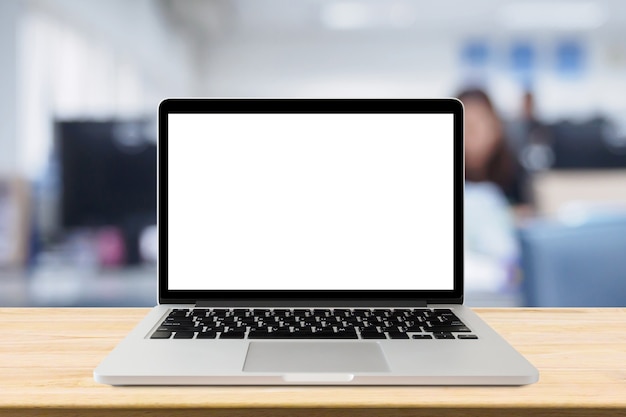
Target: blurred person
{"type": "Point", "coordinates": [491, 188]}
{"type": "Point", "coordinates": [536, 152]}
{"type": "Point", "coordinates": [487, 155]}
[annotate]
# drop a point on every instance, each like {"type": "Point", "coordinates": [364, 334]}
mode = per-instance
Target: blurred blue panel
{"type": "Point", "coordinates": [522, 57]}
{"type": "Point", "coordinates": [570, 58]}
{"type": "Point", "coordinates": [474, 56]}
{"type": "Point", "coordinates": [475, 53]}
{"type": "Point", "coordinates": [575, 265]}
{"type": "Point", "coordinates": [523, 63]}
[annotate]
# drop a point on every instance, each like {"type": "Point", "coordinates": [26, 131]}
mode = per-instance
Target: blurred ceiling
{"type": "Point", "coordinates": [211, 18]}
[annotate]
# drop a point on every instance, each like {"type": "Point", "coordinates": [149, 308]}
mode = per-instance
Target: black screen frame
{"type": "Point", "coordinates": [296, 298]}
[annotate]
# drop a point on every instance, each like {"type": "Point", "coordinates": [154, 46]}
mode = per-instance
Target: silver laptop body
{"type": "Point", "coordinates": [311, 242]}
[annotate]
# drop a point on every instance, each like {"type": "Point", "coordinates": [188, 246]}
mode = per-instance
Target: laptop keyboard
{"type": "Point", "coordinates": [319, 323]}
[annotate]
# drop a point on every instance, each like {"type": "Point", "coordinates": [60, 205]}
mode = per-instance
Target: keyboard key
{"type": "Point", "coordinates": [220, 312]}
{"type": "Point", "coordinates": [361, 312]}
{"type": "Point", "coordinates": [233, 335]}
{"type": "Point", "coordinates": [422, 336]}
{"type": "Point", "coordinates": [164, 329]}
{"type": "Point", "coordinates": [467, 336]}
{"type": "Point", "coordinates": [381, 312]}
{"type": "Point", "coordinates": [443, 335]}
{"type": "Point", "coordinates": [248, 319]}
{"type": "Point", "coordinates": [179, 326]}
{"type": "Point", "coordinates": [335, 335]}
{"type": "Point", "coordinates": [183, 335]}
{"type": "Point", "coordinates": [441, 329]}
{"type": "Point", "coordinates": [302, 334]}
{"type": "Point", "coordinates": [206, 335]}
{"type": "Point", "coordinates": [414, 329]}
{"type": "Point", "coordinates": [161, 335]}
{"type": "Point", "coordinates": [368, 334]}
{"type": "Point", "coordinates": [422, 312]}
{"type": "Point", "coordinates": [177, 319]}
{"type": "Point", "coordinates": [334, 319]}
{"type": "Point", "coordinates": [397, 335]}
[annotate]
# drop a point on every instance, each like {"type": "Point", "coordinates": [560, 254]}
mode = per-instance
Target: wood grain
{"type": "Point", "coordinates": [47, 357]}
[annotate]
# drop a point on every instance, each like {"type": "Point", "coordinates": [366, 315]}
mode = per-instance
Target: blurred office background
{"type": "Point", "coordinates": [80, 81]}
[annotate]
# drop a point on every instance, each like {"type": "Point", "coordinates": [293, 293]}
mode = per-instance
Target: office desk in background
{"type": "Point", "coordinates": [47, 357]}
{"type": "Point", "coordinates": [68, 285]}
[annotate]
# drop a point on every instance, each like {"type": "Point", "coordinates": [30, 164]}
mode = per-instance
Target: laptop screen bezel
{"type": "Point", "coordinates": [311, 297]}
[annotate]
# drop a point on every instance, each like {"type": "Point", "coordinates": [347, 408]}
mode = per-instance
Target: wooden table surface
{"type": "Point", "coordinates": [47, 357]}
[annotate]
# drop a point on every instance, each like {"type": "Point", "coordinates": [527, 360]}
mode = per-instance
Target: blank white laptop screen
{"type": "Point", "coordinates": [310, 201]}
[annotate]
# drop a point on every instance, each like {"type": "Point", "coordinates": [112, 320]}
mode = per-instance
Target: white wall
{"type": "Point", "coordinates": [278, 52]}
{"type": "Point", "coordinates": [327, 65]}
{"type": "Point", "coordinates": [139, 31]}
{"type": "Point", "coordinates": [9, 13]}
{"type": "Point", "coordinates": [91, 59]}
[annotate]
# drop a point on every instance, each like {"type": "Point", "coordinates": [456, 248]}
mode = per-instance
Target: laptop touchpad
{"type": "Point", "coordinates": [300, 356]}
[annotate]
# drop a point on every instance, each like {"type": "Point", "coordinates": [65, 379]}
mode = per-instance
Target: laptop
{"type": "Point", "coordinates": [311, 242]}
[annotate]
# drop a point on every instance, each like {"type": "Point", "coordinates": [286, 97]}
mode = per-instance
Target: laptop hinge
{"type": "Point", "coordinates": [311, 303]}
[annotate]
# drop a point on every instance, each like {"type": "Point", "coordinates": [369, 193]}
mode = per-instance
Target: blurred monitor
{"type": "Point", "coordinates": [587, 145]}
{"type": "Point", "coordinates": [108, 172]}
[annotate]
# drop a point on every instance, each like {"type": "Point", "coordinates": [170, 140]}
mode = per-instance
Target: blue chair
{"type": "Point", "coordinates": [579, 264]}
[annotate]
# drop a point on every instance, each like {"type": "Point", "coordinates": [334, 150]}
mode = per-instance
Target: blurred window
{"type": "Point", "coordinates": [66, 72]}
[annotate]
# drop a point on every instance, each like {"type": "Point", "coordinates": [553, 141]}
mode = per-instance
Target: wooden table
{"type": "Point", "coordinates": [47, 357]}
